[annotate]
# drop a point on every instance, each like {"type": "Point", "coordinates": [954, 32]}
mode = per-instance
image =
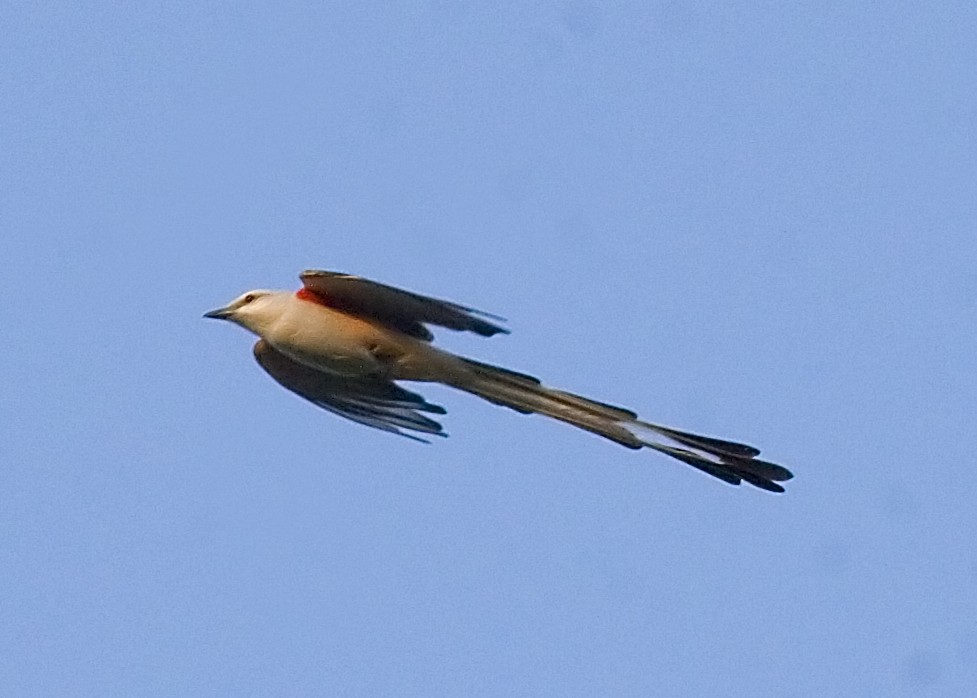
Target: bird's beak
{"type": "Point", "coordinates": [219, 314]}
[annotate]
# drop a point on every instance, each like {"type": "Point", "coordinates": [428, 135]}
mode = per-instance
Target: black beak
{"type": "Point", "coordinates": [219, 314]}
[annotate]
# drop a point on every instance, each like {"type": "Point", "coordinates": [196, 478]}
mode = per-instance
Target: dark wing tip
{"type": "Point", "coordinates": [403, 310]}
{"type": "Point", "coordinates": [380, 404]}
{"type": "Point", "coordinates": [415, 437]}
{"type": "Point", "coordinates": [482, 327]}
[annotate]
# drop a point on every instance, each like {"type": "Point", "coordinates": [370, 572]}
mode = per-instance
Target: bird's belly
{"type": "Point", "coordinates": [325, 340]}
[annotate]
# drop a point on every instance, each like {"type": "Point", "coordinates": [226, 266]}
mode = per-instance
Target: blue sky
{"type": "Point", "coordinates": [753, 220]}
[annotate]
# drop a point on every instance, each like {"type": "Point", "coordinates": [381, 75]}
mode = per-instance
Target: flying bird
{"type": "Point", "coordinates": [342, 342]}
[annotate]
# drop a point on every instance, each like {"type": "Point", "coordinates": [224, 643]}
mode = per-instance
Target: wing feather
{"type": "Point", "coordinates": [402, 310]}
{"type": "Point", "coordinates": [372, 401]}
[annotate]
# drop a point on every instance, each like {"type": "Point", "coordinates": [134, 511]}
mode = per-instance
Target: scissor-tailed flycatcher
{"type": "Point", "coordinates": [341, 342]}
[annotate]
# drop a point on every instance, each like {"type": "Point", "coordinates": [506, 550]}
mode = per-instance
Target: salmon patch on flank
{"type": "Point", "coordinates": [313, 297]}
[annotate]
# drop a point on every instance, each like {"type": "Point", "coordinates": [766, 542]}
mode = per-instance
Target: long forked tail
{"type": "Point", "coordinates": [729, 461]}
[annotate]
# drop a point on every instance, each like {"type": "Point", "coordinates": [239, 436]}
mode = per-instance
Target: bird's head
{"type": "Point", "coordinates": [254, 310]}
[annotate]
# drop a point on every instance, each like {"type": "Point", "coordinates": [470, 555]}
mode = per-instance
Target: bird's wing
{"type": "Point", "coordinates": [402, 310]}
{"type": "Point", "coordinates": [371, 401]}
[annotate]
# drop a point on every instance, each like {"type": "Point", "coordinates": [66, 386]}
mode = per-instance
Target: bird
{"type": "Point", "coordinates": [343, 342]}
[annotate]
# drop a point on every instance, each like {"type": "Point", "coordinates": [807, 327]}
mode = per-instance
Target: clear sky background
{"type": "Point", "coordinates": [753, 220]}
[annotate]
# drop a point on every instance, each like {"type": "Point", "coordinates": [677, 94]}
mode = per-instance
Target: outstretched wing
{"type": "Point", "coordinates": [402, 310]}
{"type": "Point", "coordinates": [371, 401]}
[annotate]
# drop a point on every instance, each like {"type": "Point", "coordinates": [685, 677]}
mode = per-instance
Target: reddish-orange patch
{"type": "Point", "coordinates": [313, 297]}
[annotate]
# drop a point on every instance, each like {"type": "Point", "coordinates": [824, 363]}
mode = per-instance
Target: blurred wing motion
{"type": "Point", "coordinates": [401, 310]}
{"type": "Point", "coordinates": [372, 401]}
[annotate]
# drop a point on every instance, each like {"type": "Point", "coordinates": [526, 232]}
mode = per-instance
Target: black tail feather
{"type": "Point", "coordinates": [729, 461]}
{"type": "Point", "coordinates": [709, 444]}
{"type": "Point", "coordinates": [733, 473]}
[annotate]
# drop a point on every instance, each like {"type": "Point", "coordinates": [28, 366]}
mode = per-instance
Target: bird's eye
{"type": "Point", "coordinates": [248, 298]}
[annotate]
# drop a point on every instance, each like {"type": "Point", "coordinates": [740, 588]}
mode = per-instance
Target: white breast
{"type": "Point", "coordinates": [322, 338]}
